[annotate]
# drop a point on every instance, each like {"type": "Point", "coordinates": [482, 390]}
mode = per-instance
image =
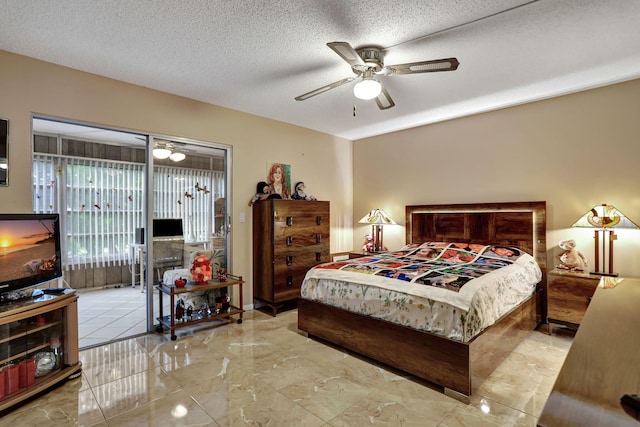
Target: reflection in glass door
{"type": "Point", "coordinates": [96, 179]}
{"type": "Point", "coordinates": [190, 190]}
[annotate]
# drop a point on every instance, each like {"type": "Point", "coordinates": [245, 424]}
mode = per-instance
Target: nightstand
{"type": "Point", "coordinates": [359, 254]}
{"type": "Point", "coordinates": [569, 294]}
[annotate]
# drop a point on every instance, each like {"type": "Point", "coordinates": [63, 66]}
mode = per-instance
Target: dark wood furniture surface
{"type": "Point", "coordinates": [26, 328]}
{"type": "Point", "coordinates": [358, 254]}
{"type": "Point", "coordinates": [458, 367]}
{"type": "Point", "coordinates": [289, 237]}
{"type": "Point", "coordinates": [569, 294]}
{"type": "Point", "coordinates": [170, 322]}
{"type": "Point", "coordinates": [602, 363]}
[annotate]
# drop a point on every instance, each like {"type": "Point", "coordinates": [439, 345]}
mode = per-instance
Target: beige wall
{"type": "Point", "coordinates": [574, 152]}
{"type": "Point", "coordinates": [28, 86]}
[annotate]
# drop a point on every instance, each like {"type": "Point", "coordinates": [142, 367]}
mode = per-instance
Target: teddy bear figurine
{"type": "Point", "coordinates": [571, 258]}
{"type": "Point", "coordinates": [369, 244]}
{"type": "Point", "coordinates": [263, 191]}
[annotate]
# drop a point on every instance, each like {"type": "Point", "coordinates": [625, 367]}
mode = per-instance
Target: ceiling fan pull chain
{"type": "Point", "coordinates": [354, 109]}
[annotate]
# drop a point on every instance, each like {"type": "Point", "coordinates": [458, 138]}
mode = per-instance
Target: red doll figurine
{"type": "Point", "coordinates": [369, 244]}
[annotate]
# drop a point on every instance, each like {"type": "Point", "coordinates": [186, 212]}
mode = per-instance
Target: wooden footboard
{"type": "Point", "coordinates": [450, 364]}
{"type": "Point", "coordinates": [495, 343]}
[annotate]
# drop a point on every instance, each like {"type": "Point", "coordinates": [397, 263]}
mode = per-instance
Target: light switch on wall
{"type": "Point", "coordinates": [241, 216]}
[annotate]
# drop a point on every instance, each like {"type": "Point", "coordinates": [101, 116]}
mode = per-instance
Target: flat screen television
{"type": "Point", "coordinates": [167, 227]}
{"type": "Point", "coordinates": [29, 250]}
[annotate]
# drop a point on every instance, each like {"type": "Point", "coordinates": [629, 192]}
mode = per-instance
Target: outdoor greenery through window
{"type": "Point", "coordinates": [101, 200]}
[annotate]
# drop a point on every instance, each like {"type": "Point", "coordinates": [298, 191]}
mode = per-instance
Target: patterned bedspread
{"type": "Point", "coordinates": [452, 289]}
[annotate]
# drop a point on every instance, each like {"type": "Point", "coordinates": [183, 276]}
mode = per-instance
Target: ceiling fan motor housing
{"type": "Point", "coordinates": [372, 57]}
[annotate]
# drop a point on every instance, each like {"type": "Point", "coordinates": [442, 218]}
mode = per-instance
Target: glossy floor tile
{"type": "Point", "coordinates": [111, 314]}
{"type": "Point", "coordinates": [264, 373]}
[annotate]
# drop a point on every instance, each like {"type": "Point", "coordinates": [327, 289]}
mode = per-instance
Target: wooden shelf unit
{"type": "Point", "coordinates": [26, 328]}
{"type": "Point", "coordinates": [170, 322]}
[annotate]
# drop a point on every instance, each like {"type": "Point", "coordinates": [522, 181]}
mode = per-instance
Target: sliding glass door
{"type": "Point", "coordinates": [108, 187]}
{"type": "Point", "coordinates": [189, 184]}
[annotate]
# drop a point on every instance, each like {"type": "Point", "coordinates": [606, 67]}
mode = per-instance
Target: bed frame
{"type": "Point", "coordinates": [457, 367]}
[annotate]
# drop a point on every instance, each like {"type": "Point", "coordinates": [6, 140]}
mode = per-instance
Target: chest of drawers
{"type": "Point", "coordinates": [289, 237]}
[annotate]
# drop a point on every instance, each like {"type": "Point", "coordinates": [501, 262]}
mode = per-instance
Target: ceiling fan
{"type": "Point", "coordinates": [368, 62]}
{"type": "Point", "coordinates": [175, 151]}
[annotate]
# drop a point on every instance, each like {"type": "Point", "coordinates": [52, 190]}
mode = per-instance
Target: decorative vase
{"type": "Point", "coordinates": [201, 270]}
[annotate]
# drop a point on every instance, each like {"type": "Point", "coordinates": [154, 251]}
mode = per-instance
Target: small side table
{"type": "Point", "coordinates": [569, 295]}
{"type": "Point", "coordinates": [359, 254]}
{"type": "Point", "coordinates": [172, 323]}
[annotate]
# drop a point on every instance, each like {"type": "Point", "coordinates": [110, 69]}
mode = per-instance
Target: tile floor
{"type": "Point", "coordinates": [106, 315]}
{"type": "Point", "coordinates": [264, 373]}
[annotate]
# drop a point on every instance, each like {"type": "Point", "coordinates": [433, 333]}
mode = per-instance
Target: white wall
{"type": "Point", "coordinates": [31, 87]}
{"type": "Point", "coordinates": [573, 152]}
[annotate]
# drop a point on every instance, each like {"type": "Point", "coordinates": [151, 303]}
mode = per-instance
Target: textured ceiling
{"type": "Point", "coordinates": [257, 56]}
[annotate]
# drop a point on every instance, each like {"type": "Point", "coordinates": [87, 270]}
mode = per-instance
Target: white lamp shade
{"type": "Point", "coordinates": [177, 156]}
{"type": "Point", "coordinates": [161, 152]}
{"type": "Point", "coordinates": [377, 217]}
{"type": "Point", "coordinates": [604, 216]}
{"type": "Point", "coordinates": [367, 89]}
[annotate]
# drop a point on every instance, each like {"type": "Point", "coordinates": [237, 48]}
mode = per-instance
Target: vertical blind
{"type": "Point", "coordinates": [101, 204]}
{"type": "Point", "coordinates": [188, 194]}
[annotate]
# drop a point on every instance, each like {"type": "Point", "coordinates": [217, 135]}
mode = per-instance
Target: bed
{"type": "Point", "coordinates": [458, 365]}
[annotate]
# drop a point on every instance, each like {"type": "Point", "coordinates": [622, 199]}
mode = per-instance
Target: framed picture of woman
{"type": "Point", "coordinates": [279, 179]}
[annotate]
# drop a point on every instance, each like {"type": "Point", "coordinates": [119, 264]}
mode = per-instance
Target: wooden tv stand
{"type": "Point", "coordinates": [29, 331]}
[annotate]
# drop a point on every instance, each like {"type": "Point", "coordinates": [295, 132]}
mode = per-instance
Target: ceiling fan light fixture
{"type": "Point", "coordinates": [366, 63]}
{"type": "Point", "coordinates": [177, 156]}
{"type": "Point", "coordinates": [367, 89]}
{"type": "Point", "coordinates": [161, 152]}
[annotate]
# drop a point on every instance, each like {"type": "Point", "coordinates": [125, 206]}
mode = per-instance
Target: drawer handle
{"type": "Point", "coordinates": [318, 220]}
{"type": "Point", "coordinates": [289, 281]}
{"type": "Point", "coordinates": [289, 260]}
{"type": "Point", "coordinates": [318, 238]}
{"type": "Point", "coordinates": [289, 240]}
{"type": "Point", "coordinates": [318, 256]}
{"type": "Point", "coordinates": [289, 221]}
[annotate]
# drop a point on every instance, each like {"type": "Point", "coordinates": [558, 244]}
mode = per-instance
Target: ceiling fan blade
{"type": "Point", "coordinates": [448, 64]}
{"type": "Point", "coordinates": [384, 100]}
{"type": "Point", "coordinates": [324, 88]}
{"type": "Point", "coordinates": [346, 52]}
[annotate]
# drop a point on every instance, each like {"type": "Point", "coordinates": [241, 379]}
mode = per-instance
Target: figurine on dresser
{"type": "Point", "coordinates": [263, 192]}
{"type": "Point", "coordinates": [300, 194]}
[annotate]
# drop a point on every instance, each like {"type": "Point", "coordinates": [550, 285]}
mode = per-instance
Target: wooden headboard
{"type": "Point", "coordinates": [519, 224]}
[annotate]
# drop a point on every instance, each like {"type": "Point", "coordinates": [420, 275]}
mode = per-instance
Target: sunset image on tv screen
{"type": "Point", "coordinates": [27, 248]}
